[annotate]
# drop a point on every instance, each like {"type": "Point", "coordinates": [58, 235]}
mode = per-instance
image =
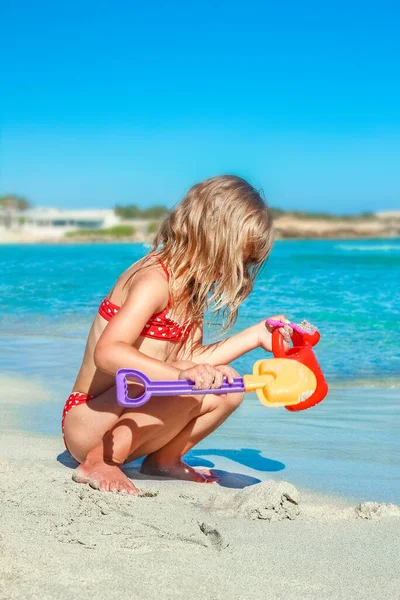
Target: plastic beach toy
{"type": "Point", "coordinates": [277, 382]}
{"type": "Point", "coordinates": [304, 337]}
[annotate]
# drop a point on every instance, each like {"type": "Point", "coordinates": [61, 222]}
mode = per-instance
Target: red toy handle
{"type": "Point", "coordinates": [278, 344]}
{"type": "Point", "coordinates": [302, 353]}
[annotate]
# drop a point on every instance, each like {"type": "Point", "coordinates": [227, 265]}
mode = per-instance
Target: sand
{"type": "Point", "coordinates": [61, 540]}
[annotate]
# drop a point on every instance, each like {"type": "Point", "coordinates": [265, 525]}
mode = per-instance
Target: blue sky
{"type": "Point", "coordinates": [133, 102]}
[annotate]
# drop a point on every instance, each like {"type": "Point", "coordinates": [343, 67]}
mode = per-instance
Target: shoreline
{"type": "Point", "coordinates": [229, 480]}
{"type": "Point", "coordinates": [339, 463]}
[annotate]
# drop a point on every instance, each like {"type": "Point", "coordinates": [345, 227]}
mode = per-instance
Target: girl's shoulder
{"type": "Point", "coordinates": [145, 276]}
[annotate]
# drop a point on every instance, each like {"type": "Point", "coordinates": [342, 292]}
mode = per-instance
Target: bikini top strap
{"type": "Point", "coordinates": [161, 264]}
{"type": "Point", "coordinates": [164, 268]}
{"type": "Point", "coordinates": [169, 305]}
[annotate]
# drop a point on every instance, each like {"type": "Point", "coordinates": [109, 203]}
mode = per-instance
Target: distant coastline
{"type": "Point", "coordinates": [287, 227]}
{"type": "Point", "coordinates": [22, 224]}
{"type": "Point", "coordinates": [382, 225]}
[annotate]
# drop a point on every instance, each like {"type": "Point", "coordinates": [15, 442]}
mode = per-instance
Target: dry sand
{"type": "Point", "coordinates": [182, 540]}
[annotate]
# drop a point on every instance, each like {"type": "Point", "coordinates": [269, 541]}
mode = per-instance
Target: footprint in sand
{"type": "Point", "coordinates": [212, 534]}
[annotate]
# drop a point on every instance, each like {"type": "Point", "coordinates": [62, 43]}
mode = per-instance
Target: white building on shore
{"type": "Point", "coordinates": [55, 222]}
{"type": "Point", "coordinates": [51, 224]}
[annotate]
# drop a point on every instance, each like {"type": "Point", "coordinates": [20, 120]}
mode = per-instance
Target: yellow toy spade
{"type": "Point", "coordinates": [280, 382]}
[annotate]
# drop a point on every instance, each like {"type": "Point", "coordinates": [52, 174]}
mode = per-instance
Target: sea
{"type": "Point", "coordinates": [348, 446]}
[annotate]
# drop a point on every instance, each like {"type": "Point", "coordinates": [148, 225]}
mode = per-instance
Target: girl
{"type": "Point", "coordinates": [206, 256]}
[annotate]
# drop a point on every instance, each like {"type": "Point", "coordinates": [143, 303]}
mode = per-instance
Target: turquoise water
{"type": "Point", "coordinates": [349, 289]}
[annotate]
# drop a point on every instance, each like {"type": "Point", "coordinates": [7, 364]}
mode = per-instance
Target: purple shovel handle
{"type": "Point", "coordinates": [164, 388]}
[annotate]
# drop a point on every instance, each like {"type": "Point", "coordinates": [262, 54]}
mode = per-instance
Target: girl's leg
{"type": "Point", "coordinates": [101, 435]}
{"type": "Point", "coordinates": [86, 424]}
{"type": "Point", "coordinates": [167, 459]}
{"type": "Point", "coordinates": [168, 429]}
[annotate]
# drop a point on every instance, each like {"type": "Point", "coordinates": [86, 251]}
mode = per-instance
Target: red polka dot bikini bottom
{"type": "Point", "coordinates": [74, 399]}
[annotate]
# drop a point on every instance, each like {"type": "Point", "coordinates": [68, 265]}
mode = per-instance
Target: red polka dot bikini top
{"type": "Point", "coordinates": [160, 326]}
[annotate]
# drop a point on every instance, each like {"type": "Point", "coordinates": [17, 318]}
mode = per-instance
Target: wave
{"type": "Point", "coordinates": [391, 383]}
{"type": "Point", "coordinates": [370, 248]}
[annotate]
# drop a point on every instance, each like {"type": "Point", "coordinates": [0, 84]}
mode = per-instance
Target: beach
{"type": "Point", "coordinates": [61, 540]}
{"type": "Point", "coordinates": [247, 153]}
{"type": "Point", "coordinates": [308, 503]}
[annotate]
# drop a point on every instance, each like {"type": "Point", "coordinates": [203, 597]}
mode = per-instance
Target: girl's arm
{"type": "Point", "coordinates": [114, 348]}
{"type": "Point", "coordinates": [222, 353]}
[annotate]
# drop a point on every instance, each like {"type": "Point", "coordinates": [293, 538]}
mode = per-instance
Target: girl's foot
{"type": "Point", "coordinates": [104, 477]}
{"type": "Point", "coordinates": [177, 470]}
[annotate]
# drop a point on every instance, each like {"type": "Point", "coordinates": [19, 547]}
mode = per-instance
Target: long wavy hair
{"type": "Point", "coordinates": [214, 242]}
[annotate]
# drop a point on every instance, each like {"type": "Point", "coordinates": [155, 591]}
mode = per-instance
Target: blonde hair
{"type": "Point", "coordinates": [204, 242]}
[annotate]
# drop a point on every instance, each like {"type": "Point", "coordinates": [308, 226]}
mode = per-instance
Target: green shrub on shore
{"type": "Point", "coordinates": [153, 227]}
{"type": "Point", "coordinates": [115, 232]}
{"type": "Point", "coordinates": [14, 202]}
{"type": "Point", "coordinates": [134, 212]}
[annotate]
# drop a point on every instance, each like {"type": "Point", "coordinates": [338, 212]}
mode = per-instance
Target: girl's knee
{"type": "Point", "coordinates": [233, 401]}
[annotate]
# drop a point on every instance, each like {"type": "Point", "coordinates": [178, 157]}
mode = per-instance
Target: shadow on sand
{"type": "Point", "coordinates": [248, 457]}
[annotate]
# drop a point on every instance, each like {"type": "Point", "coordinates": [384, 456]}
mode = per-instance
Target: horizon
{"type": "Point", "coordinates": [134, 104]}
{"type": "Point", "coordinates": [294, 212]}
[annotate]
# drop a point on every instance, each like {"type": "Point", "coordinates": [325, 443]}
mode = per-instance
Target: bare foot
{"type": "Point", "coordinates": [104, 477]}
{"type": "Point", "coordinates": [178, 470]}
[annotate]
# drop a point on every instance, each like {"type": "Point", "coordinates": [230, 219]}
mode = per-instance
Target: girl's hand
{"type": "Point", "coordinates": [207, 377]}
{"type": "Point", "coordinates": [264, 333]}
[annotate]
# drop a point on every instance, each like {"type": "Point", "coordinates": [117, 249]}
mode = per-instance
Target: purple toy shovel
{"type": "Point", "coordinates": [277, 382]}
{"type": "Point", "coordinates": [164, 388]}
